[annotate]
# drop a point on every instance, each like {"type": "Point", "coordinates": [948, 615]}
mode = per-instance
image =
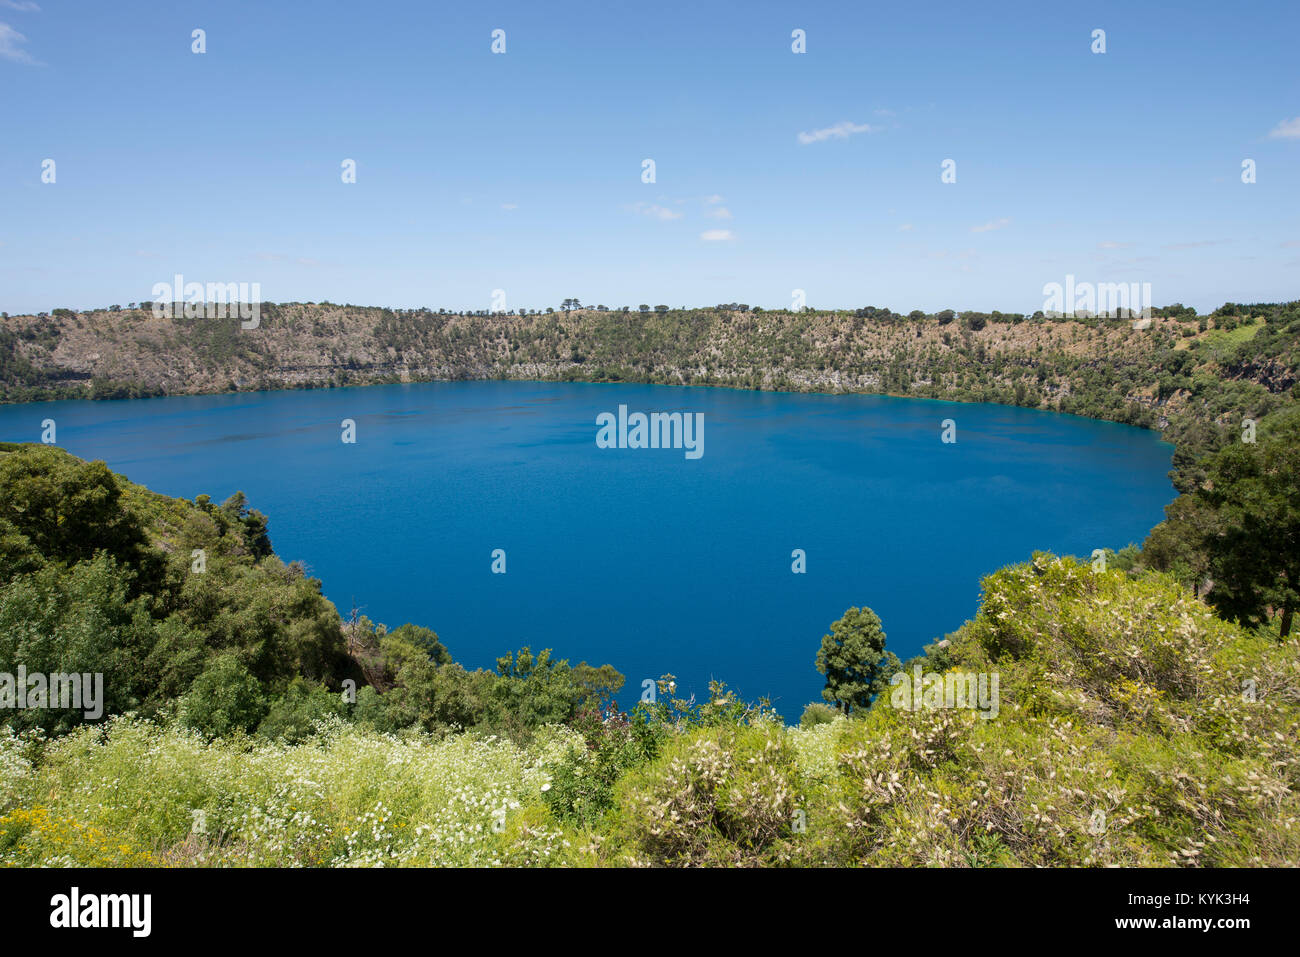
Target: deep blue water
{"type": "Point", "coordinates": [640, 557]}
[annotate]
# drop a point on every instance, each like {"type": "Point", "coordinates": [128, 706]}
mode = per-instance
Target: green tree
{"type": "Point", "coordinates": [534, 690]}
{"type": "Point", "coordinates": [236, 509]}
{"type": "Point", "coordinates": [1177, 545]}
{"type": "Point", "coordinates": [77, 621]}
{"type": "Point", "coordinates": [68, 510]}
{"type": "Point", "coordinates": [425, 638]}
{"type": "Point", "coordinates": [427, 688]}
{"type": "Point", "coordinates": [854, 660]}
{"type": "Point", "coordinates": [1254, 543]}
{"type": "Point", "coordinates": [600, 684]}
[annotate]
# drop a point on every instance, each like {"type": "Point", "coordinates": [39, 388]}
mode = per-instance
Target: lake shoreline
{"type": "Point", "coordinates": [314, 387]}
{"type": "Point", "coordinates": [1095, 368]}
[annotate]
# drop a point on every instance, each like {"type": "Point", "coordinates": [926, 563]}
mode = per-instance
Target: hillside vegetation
{"type": "Point", "coordinates": [1124, 737]}
{"type": "Point", "coordinates": [1134, 726]}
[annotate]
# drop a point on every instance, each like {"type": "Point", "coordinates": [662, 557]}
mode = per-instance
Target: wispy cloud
{"type": "Point", "coordinates": [712, 200]}
{"type": "Point", "coordinates": [718, 212]}
{"type": "Point", "coordinates": [991, 225]}
{"type": "Point", "coordinates": [717, 235]}
{"type": "Point", "coordinates": [656, 212]}
{"type": "Point", "coordinates": [840, 131]}
{"type": "Point", "coordinates": [10, 49]}
{"type": "Point", "coordinates": [906, 228]}
{"type": "Point", "coordinates": [509, 206]}
{"type": "Point", "coordinates": [1111, 244]}
{"type": "Point", "coordinates": [1286, 130]}
{"type": "Point", "coordinates": [23, 6]}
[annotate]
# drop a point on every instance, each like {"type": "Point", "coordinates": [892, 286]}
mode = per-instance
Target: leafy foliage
{"type": "Point", "coordinates": [1135, 729]}
{"type": "Point", "coordinates": [854, 660]}
{"type": "Point", "coordinates": [1254, 543]}
{"type": "Point", "coordinates": [224, 699]}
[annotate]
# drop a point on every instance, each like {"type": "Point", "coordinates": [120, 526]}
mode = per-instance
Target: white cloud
{"type": "Point", "coordinates": [25, 6]}
{"type": "Point", "coordinates": [991, 225]}
{"type": "Point", "coordinates": [656, 212]}
{"type": "Point", "coordinates": [1286, 130]}
{"type": "Point", "coordinates": [717, 235]}
{"type": "Point", "coordinates": [508, 206]}
{"type": "Point", "coordinates": [9, 45]}
{"type": "Point", "coordinates": [712, 200]}
{"type": "Point", "coordinates": [906, 228]}
{"type": "Point", "coordinates": [719, 212]}
{"type": "Point", "coordinates": [1111, 244]}
{"type": "Point", "coordinates": [839, 131]}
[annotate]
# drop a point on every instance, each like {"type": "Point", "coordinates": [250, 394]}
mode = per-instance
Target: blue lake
{"type": "Point", "coordinates": [643, 558]}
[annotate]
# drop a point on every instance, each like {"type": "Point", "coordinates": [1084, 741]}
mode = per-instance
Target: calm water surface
{"type": "Point", "coordinates": [640, 557]}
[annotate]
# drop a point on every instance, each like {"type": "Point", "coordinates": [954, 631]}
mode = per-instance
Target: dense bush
{"type": "Point", "coordinates": [224, 699]}
{"type": "Point", "coordinates": [816, 713]}
{"type": "Point", "coordinates": [295, 715]}
{"type": "Point", "coordinates": [724, 795]}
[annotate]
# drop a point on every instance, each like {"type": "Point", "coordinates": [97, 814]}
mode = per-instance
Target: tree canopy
{"type": "Point", "coordinates": [854, 660]}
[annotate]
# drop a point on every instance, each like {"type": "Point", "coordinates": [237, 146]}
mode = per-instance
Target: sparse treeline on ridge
{"type": "Point", "coordinates": [1099, 367]}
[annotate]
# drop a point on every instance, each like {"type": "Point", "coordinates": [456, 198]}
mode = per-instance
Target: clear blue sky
{"type": "Point", "coordinates": [522, 171]}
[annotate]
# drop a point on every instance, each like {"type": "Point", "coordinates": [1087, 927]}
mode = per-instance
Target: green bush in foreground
{"type": "Point", "coordinates": [1132, 728]}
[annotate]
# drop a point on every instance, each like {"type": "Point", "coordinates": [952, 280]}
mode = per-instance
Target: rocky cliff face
{"type": "Point", "coordinates": [1104, 368]}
